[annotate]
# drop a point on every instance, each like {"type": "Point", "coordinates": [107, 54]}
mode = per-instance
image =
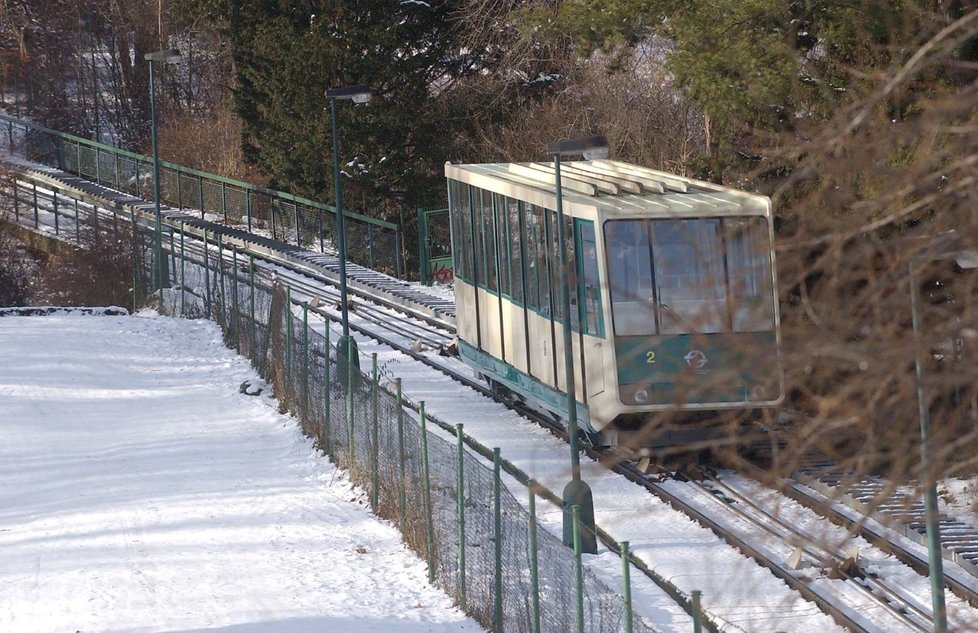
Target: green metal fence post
{"type": "Point", "coordinates": [578, 567]}
{"type": "Point", "coordinates": [288, 340]}
{"type": "Point", "coordinates": [319, 219]}
{"type": "Point", "coordinates": [220, 269]}
{"type": "Point", "coordinates": [374, 449]}
{"type": "Point", "coordinates": [36, 219]}
{"type": "Point", "coordinates": [200, 195]}
{"type": "Point", "coordinates": [173, 257]}
{"type": "Point", "coordinates": [460, 505]}
{"type": "Point", "coordinates": [180, 195]}
{"type": "Point", "coordinates": [497, 531]}
{"type": "Point", "coordinates": [207, 276]}
{"type": "Point", "coordinates": [697, 612]}
{"type": "Point", "coordinates": [55, 198]}
{"type": "Point", "coordinates": [349, 398]}
{"type": "Point", "coordinates": [234, 298]}
{"type": "Point", "coordinates": [248, 207]}
{"type": "Point", "coordinates": [272, 206]}
{"type": "Point", "coordinates": [183, 272]}
{"type": "Point", "coordinates": [401, 499]}
{"type": "Point", "coordinates": [305, 358]}
{"type": "Point", "coordinates": [298, 236]}
{"type": "Point", "coordinates": [534, 568]}
{"type": "Point", "coordinates": [77, 224]}
{"type": "Point", "coordinates": [224, 201]}
{"type": "Point", "coordinates": [98, 167]}
{"type": "Point", "coordinates": [326, 388]}
{"type": "Point", "coordinates": [16, 201]}
{"type": "Point", "coordinates": [134, 254]}
{"type": "Point", "coordinates": [253, 341]}
{"type": "Point", "coordinates": [370, 246]}
{"type": "Point", "coordinates": [626, 570]}
{"type": "Point", "coordinates": [426, 496]}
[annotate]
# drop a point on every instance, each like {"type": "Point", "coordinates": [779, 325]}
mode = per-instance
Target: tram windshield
{"type": "Point", "coordinates": [690, 276]}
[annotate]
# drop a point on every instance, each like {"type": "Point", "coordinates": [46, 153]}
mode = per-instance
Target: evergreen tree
{"type": "Point", "coordinates": [287, 53]}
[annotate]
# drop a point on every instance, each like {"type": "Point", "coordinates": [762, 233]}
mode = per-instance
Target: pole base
{"type": "Point", "coordinates": [347, 361]}
{"type": "Point", "coordinates": [578, 493]}
{"type": "Point", "coordinates": [160, 271]}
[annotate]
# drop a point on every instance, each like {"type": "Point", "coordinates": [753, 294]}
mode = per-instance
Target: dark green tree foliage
{"type": "Point", "coordinates": [287, 53]}
{"type": "Point", "coordinates": [757, 65]}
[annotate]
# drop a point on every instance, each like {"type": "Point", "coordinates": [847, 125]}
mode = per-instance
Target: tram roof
{"type": "Point", "coordinates": [608, 184]}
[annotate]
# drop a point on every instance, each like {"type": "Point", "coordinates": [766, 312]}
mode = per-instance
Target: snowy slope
{"type": "Point", "coordinates": [140, 491]}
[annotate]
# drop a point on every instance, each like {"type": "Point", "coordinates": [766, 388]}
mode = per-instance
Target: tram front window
{"type": "Point", "coordinates": [688, 268]}
{"type": "Point", "coordinates": [630, 276]}
{"type": "Point", "coordinates": [689, 276]}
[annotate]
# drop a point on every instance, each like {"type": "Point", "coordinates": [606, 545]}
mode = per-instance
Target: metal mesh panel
{"type": "Point", "coordinates": [189, 191]}
{"type": "Point", "coordinates": [237, 205]}
{"type": "Point", "coordinates": [261, 211]}
{"type": "Point", "coordinates": [212, 198]}
{"type": "Point", "coordinates": [282, 220]}
{"type": "Point", "coordinates": [85, 157]}
{"type": "Point", "coordinates": [107, 169]}
{"type": "Point", "coordinates": [372, 247]}
{"type": "Point", "coordinates": [308, 227]}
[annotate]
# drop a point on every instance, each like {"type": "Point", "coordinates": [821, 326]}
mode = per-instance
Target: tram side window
{"type": "Point", "coordinates": [551, 264]}
{"type": "Point", "coordinates": [689, 276]}
{"type": "Point", "coordinates": [461, 214]}
{"type": "Point", "coordinates": [573, 278]}
{"type": "Point", "coordinates": [749, 270]}
{"type": "Point", "coordinates": [502, 242]}
{"type": "Point", "coordinates": [630, 277]}
{"type": "Point", "coordinates": [516, 248]}
{"type": "Point", "coordinates": [534, 239]}
{"type": "Point", "coordinates": [488, 231]}
{"type": "Point", "coordinates": [588, 287]}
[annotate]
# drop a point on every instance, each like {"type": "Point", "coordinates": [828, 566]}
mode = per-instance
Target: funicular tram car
{"type": "Point", "coordinates": [673, 294]}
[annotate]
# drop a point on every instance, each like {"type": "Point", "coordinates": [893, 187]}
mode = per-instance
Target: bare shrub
{"type": "Point", "coordinates": [98, 274]}
{"type": "Point", "coordinates": [862, 196]}
{"type": "Point", "coordinates": [211, 144]}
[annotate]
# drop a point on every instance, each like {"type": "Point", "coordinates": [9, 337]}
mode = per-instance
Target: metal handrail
{"type": "Point", "coordinates": [248, 190]}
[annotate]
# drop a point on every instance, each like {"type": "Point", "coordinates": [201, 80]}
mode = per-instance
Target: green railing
{"type": "Point", "coordinates": [435, 261]}
{"type": "Point", "coordinates": [306, 223]}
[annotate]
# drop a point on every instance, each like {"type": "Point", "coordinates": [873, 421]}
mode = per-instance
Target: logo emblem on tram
{"type": "Point", "coordinates": [695, 359]}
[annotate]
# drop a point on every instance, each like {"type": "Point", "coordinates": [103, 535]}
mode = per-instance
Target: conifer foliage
{"type": "Point", "coordinates": [286, 55]}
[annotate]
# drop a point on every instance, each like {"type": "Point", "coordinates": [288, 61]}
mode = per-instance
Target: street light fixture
{"type": "Point", "coordinates": [346, 347]}
{"type": "Point", "coordinates": [167, 56]}
{"type": "Point", "coordinates": [968, 259]}
{"type": "Point", "coordinates": [577, 492]}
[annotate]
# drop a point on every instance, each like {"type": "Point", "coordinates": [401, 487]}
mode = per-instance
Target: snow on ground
{"type": "Point", "coordinates": [140, 491]}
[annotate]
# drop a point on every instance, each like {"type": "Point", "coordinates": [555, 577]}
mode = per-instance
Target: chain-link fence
{"type": "Point", "coordinates": [481, 544]}
{"type": "Point", "coordinates": [300, 221]}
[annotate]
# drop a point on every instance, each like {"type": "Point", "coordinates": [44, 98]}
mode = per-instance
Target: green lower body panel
{"type": "Point", "coordinates": [699, 369]}
{"type": "Point", "coordinates": [523, 384]}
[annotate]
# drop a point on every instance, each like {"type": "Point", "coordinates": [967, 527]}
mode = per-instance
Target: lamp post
{"type": "Point", "coordinates": [968, 259]}
{"type": "Point", "coordinates": [167, 56]}
{"type": "Point", "coordinates": [577, 492]}
{"type": "Point", "coordinates": [346, 347]}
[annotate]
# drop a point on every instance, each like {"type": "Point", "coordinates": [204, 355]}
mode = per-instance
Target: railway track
{"type": "Point", "coordinates": [414, 332]}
